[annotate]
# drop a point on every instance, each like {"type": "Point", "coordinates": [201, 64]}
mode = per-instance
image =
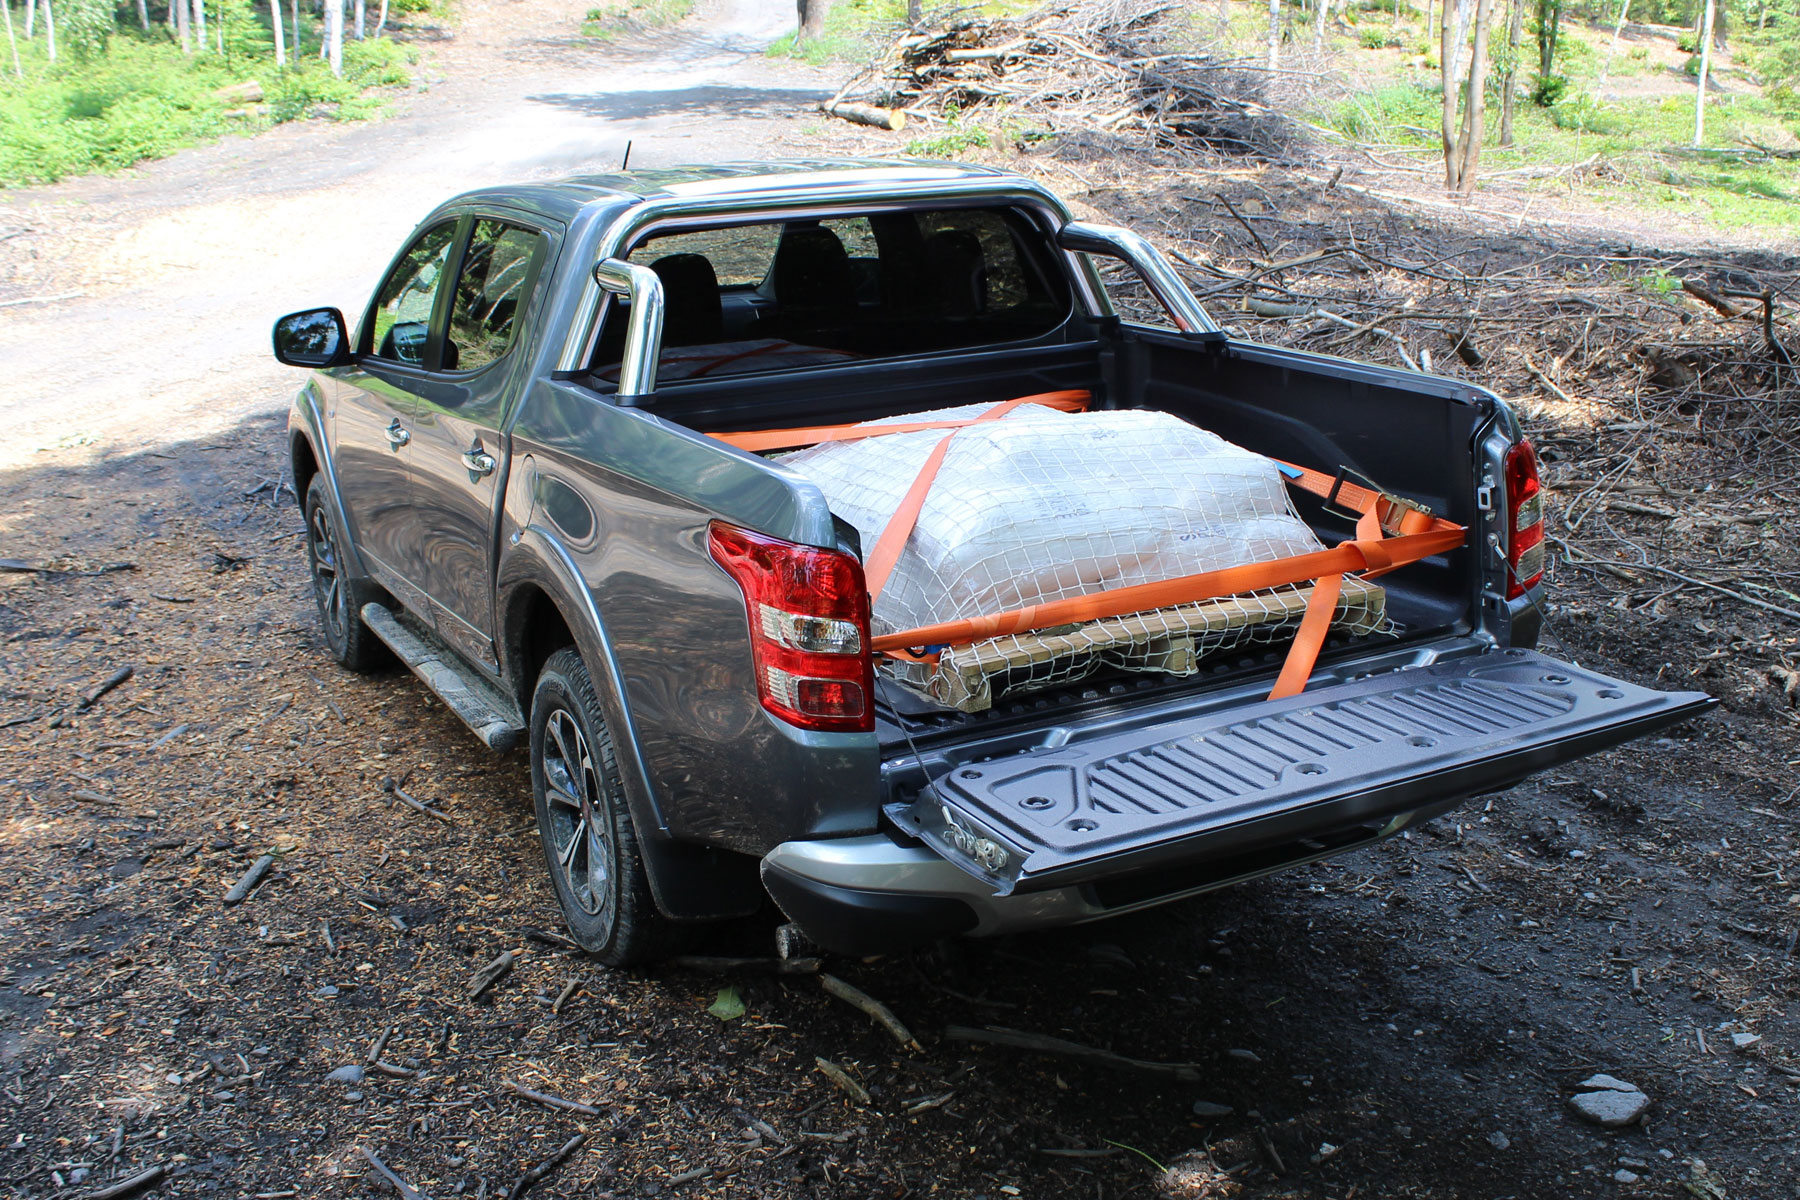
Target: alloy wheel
{"type": "Point", "coordinates": [579, 829]}
{"type": "Point", "coordinates": [328, 583]}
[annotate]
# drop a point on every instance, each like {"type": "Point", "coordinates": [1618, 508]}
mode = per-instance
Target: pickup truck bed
{"type": "Point", "coordinates": [536, 537]}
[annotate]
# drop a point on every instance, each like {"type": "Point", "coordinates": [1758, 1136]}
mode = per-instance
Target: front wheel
{"type": "Point", "coordinates": [590, 844]}
{"type": "Point", "coordinates": [338, 596]}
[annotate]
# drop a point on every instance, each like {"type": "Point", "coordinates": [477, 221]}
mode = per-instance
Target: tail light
{"type": "Point", "coordinates": [808, 612]}
{"type": "Point", "coordinates": [1524, 520]}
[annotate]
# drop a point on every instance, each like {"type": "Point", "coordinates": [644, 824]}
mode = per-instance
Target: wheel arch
{"type": "Point", "coordinates": [544, 606]}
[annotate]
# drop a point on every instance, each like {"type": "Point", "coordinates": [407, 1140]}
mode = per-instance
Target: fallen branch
{"type": "Point", "coordinates": [490, 975]}
{"type": "Point", "coordinates": [879, 1012]}
{"type": "Point", "coordinates": [89, 699]}
{"type": "Point", "coordinates": [548, 1165]}
{"type": "Point", "coordinates": [240, 891]}
{"type": "Point", "coordinates": [549, 1101]}
{"type": "Point", "coordinates": [127, 1186]}
{"type": "Point", "coordinates": [717, 965]}
{"type": "Point", "coordinates": [842, 1078]}
{"type": "Point", "coordinates": [407, 1191]}
{"type": "Point", "coordinates": [395, 790]}
{"type": "Point", "coordinates": [996, 1035]}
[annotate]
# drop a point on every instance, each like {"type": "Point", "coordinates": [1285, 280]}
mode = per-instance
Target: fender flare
{"type": "Point", "coordinates": [304, 427]}
{"type": "Point", "coordinates": [689, 881]}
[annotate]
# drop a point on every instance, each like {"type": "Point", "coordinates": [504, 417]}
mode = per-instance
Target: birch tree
{"type": "Point", "coordinates": [30, 17]}
{"type": "Point", "coordinates": [1613, 48]}
{"type": "Point", "coordinates": [199, 23]}
{"type": "Point", "coordinates": [1274, 34]}
{"type": "Point", "coordinates": [180, 9]}
{"type": "Point", "coordinates": [12, 39]}
{"type": "Point", "coordinates": [1321, 10]}
{"type": "Point", "coordinates": [334, 36]}
{"type": "Point", "coordinates": [49, 31]}
{"type": "Point", "coordinates": [381, 22]}
{"type": "Point", "coordinates": [144, 15]}
{"type": "Point", "coordinates": [1462, 140]}
{"type": "Point", "coordinates": [1706, 36]}
{"type": "Point", "coordinates": [1515, 28]}
{"type": "Point", "coordinates": [280, 41]}
{"type": "Point", "coordinates": [362, 7]}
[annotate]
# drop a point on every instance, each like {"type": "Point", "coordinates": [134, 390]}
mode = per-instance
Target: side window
{"type": "Point", "coordinates": [403, 307]}
{"type": "Point", "coordinates": [489, 292]}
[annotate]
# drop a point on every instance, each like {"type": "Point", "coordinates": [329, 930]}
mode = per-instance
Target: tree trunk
{"type": "Point", "coordinates": [1515, 27]}
{"type": "Point", "coordinates": [334, 36]}
{"type": "Point", "coordinates": [812, 19]}
{"type": "Point", "coordinates": [12, 39]}
{"type": "Point", "coordinates": [1321, 11]}
{"type": "Point", "coordinates": [30, 17]}
{"type": "Point", "coordinates": [143, 14]}
{"type": "Point", "coordinates": [1705, 64]}
{"type": "Point", "coordinates": [381, 22]}
{"type": "Point", "coordinates": [294, 24]}
{"type": "Point", "coordinates": [1474, 105]}
{"type": "Point", "coordinates": [180, 9]}
{"type": "Point", "coordinates": [913, 13]}
{"type": "Point", "coordinates": [1549, 26]}
{"type": "Point", "coordinates": [362, 9]}
{"type": "Point", "coordinates": [280, 40]}
{"type": "Point", "coordinates": [200, 24]}
{"type": "Point", "coordinates": [49, 30]}
{"type": "Point", "coordinates": [1274, 34]}
{"type": "Point", "coordinates": [1613, 48]}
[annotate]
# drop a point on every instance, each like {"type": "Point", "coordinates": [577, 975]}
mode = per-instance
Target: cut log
{"type": "Point", "coordinates": [866, 114]}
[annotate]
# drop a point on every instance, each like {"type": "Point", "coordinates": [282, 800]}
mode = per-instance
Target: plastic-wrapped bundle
{"type": "Point", "coordinates": [1041, 505]}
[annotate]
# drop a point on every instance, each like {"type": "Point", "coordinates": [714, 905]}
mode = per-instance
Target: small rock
{"type": "Point", "coordinates": [1326, 1150]}
{"type": "Point", "coordinates": [1623, 1176]}
{"type": "Point", "coordinates": [353, 1096]}
{"type": "Point", "coordinates": [1404, 1132]}
{"type": "Point", "coordinates": [1249, 1056]}
{"type": "Point", "coordinates": [1614, 1107]}
{"type": "Point", "coordinates": [326, 992]}
{"type": "Point", "coordinates": [1606, 1083]}
{"type": "Point", "coordinates": [1205, 1108]}
{"type": "Point", "coordinates": [349, 1074]}
{"type": "Point", "coordinates": [1667, 1154]}
{"type": "Point", "coordinates": [173, 1078]}
{"type": "Point", "coordinates": [78, 1174]}
{"type": "Point", "coordinates": [248, 92]}
{"type": "Point", "coordinates": [1743, 1041]}
{"type": "Point", "coordinates": [1499, 1141]}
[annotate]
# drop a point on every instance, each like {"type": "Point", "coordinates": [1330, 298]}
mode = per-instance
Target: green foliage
{"type": "Point", "coordinates": [1657, 282]}
{"type": "Point", "coordinates": [1688, 43]}
{"type": "Point", "coordinates": [1397, 113]}
{"type": "Point", "coordinates": [956, 138]}
{"type": "Point", "coordinates": [854, 28]}
{"type": "Point", "coordinates": [609, 20]}
{"type": "Point", "coordinates": [83, 26]}
{"type": "Point", "coordinates": [133, 96]}
{"type": "Point", "coordinates": [1378, 37]}
{"type": "Point", "coordinates": [1548, 90]}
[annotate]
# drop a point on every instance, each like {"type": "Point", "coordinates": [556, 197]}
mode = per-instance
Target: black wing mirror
{"type": "Point", "coordinates": [314, 338]}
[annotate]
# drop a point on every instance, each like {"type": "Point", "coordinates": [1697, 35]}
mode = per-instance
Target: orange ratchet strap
{"type": "Point", "coordinates": [758, 440]}
{"type": "Point", "coordinates": [1372, 551]}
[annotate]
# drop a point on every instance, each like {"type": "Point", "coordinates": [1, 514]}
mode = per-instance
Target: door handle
{"type": "Point", "coordinates": [478, 460]}
{"type": "Point", "coordinates": [396, 435]}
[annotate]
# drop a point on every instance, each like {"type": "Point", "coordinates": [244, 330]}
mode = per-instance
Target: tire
{"type": "Point", "coordinates": [590, 843]}
{"type": "Point", "coordinates": [337, 595]}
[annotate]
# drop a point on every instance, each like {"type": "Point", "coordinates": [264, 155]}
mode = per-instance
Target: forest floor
{"type": "Point", "coordinates": [1405, 1021]}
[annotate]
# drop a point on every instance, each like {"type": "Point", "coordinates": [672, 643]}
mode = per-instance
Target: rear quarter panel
{"type": "Point", "coordinates": [621, 500]}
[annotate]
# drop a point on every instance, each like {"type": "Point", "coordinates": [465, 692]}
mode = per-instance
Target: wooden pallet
{"type": "Point", "coordinates": [1169, 640]}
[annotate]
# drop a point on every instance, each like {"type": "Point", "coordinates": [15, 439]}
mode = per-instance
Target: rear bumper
{"type": "Point", "coordinates": [872, 894]}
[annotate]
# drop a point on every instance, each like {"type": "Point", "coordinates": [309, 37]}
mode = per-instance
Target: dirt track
{"type": "Point", "coordinates": [1414, 1016]}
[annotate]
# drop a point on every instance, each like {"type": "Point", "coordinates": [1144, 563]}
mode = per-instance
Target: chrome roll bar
{"type": "Point", "coordinates": [1148, 262]}
{"type": "Point", "coordinates": [643, 333]}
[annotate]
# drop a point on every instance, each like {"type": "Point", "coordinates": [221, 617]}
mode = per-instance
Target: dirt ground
{"type": "Point", "coordinates": [1407, 1021]}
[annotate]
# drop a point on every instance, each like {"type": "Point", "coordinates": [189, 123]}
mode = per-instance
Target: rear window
{"type": "Point", "coordinates": [798, 293]}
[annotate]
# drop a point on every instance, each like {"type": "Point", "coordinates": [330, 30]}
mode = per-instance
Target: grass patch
{"type": "Point", "coordinates": [608, 21]}
{"type": "Point", "coordinates": [139, 97]}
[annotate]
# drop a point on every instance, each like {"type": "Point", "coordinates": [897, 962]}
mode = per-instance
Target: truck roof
{"type": "Point", "coordinates": [565, 197]}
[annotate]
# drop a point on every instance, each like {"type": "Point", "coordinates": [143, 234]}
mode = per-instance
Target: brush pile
{"type": "Point", "coordinates": [1118, 70]}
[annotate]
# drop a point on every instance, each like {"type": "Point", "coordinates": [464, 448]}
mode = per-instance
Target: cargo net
{"type": "Point", "coordinates": [1043, 505]}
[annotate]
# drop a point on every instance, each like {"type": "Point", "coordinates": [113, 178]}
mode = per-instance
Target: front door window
{"type": "Point", "coordinates": [401, 330]}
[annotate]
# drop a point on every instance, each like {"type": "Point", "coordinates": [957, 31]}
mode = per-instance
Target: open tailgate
{"type": "Point", "coordinates": [1235, 781]}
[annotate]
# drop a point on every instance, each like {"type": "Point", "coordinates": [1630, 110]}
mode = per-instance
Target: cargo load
{"type": "Point", "coordinates": [1042, 504]}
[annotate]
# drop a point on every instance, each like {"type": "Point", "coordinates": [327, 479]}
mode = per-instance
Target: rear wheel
{"type": "Point", "coordinates": [338, 595]}
{"type": "Point", "coordinates": [590, 844]}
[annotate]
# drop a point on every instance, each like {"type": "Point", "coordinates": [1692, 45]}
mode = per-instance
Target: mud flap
{"type": "Point", "coordinates": [1237, 781]}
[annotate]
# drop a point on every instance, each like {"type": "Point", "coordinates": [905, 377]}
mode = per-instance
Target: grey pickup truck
{"type": "Point", "coordinates": [513, 480]}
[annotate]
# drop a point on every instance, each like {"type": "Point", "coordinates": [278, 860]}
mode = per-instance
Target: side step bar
{"type": "Point", "coordinates": [494, 718]}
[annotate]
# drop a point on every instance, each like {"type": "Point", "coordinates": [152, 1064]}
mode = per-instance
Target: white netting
{"type": "Point", "coordinates": [1042, 505]}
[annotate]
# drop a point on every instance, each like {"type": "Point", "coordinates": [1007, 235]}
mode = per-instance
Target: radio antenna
{"type": "Point", "coordinates": [625, 162]}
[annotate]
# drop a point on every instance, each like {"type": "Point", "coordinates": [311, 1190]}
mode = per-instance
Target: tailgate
{"type": "Point", "coordinates": [1238, 780]}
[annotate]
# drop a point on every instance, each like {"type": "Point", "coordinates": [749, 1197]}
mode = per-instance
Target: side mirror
{"type": "Point", "coordinates": [314, 338]}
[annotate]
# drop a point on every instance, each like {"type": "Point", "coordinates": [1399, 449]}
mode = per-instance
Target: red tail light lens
{"type": "Point", "coordinates": [1524, 520]}
{"type": "Point", "coordinates": [808, 613]}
